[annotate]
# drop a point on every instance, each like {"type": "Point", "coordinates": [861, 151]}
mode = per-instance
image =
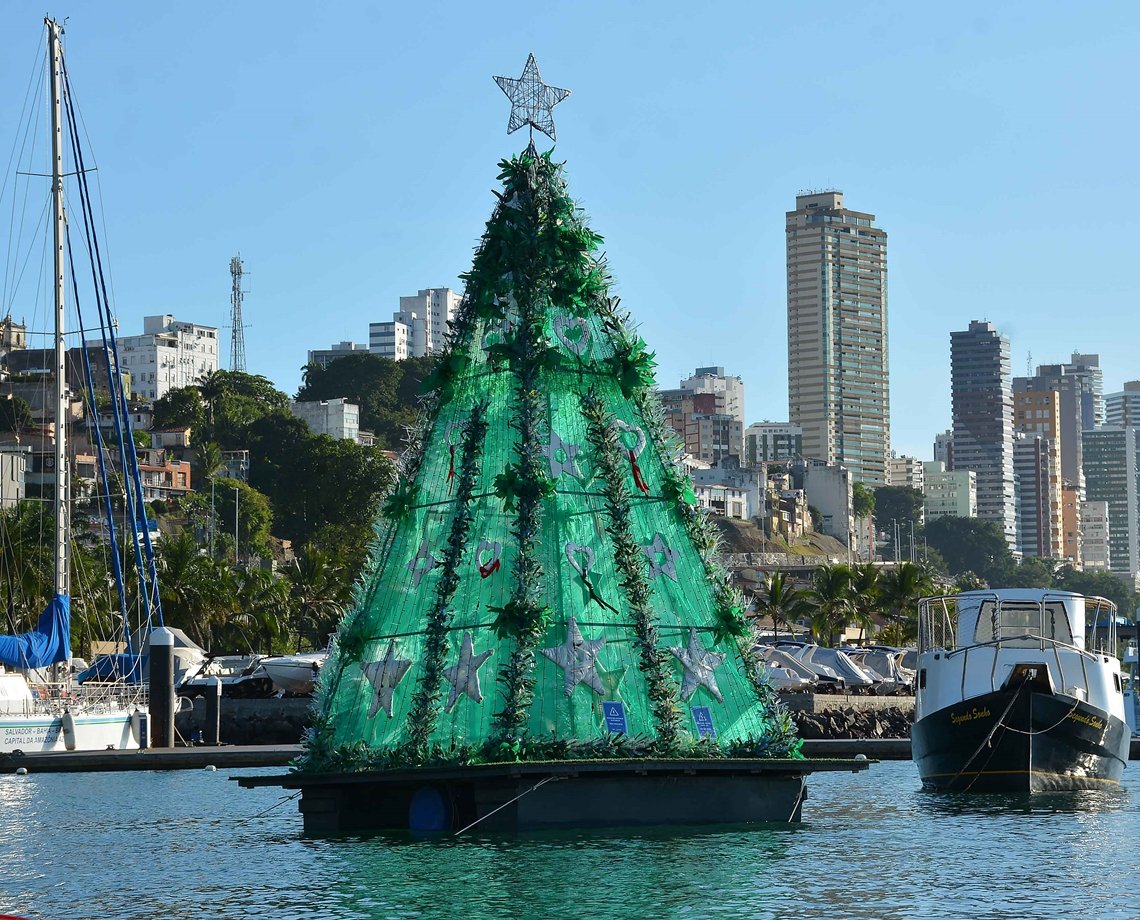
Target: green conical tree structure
{"type": "Point", "coordinates": [543, 585]}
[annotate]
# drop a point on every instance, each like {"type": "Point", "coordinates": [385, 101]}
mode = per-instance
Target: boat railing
{"type": "Point", "coordinates": [1056, 646]}
{"type": "Point", "coordinates": [53, 699]}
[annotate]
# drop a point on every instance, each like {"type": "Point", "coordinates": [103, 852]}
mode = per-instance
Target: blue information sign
{"type": "Point", "coordinates": [702, 716]}
{"type": "Point", "coordinates": [615, 718]}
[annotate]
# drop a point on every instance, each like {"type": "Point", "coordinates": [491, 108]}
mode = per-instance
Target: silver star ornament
{"type": "Point", "coordinates": [699, 664]}
{"type": "Point", "coordinates": [578, 658]}
{"type": "Point", "coordinates": [384, 675]}
{"type": "Point", "coordinates": [464, 676]}
{"type": "Point", "coordinates": [531, 100]}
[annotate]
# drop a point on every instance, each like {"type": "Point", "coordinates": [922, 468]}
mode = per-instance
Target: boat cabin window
{"type": "Point", "coordinates": [1025, 622]}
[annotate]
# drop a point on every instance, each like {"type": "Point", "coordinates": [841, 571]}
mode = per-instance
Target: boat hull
{"type": "Point", "coordinates": [1020, 741]}
{"type": "Point", "coordinates": [115, 730]}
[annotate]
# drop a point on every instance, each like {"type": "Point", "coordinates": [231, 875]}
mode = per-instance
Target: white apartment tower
{"type": "Point", "coordinates": [838, 390]}
{"type": "Point", "coordinates": [418, 328]}
{"type": "Point", "coordinates": [168, 355]}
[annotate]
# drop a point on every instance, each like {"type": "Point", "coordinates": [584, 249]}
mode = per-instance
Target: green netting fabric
{"type": "Point", "coordinates": [542, 584]}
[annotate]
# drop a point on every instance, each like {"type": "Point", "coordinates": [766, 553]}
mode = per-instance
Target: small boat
{"type": "Point", "coordinates": [240, 676]}
{"type": "Point", "coordinates": [1018, 690]}
{"type": "Point", "coordinates": [296, 674]}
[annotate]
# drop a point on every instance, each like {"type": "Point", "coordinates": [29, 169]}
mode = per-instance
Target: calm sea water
{"type": "Point", "coordinates": [194, 845]}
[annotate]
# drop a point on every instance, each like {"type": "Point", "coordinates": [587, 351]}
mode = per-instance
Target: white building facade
{"type": "Point", "coordinates": [729, 391]}
{"type": "Point", "coordinates": [418, 328]}
{"type": "Point", "coordinates": [948, 493]}
{"type": "Point", "coordinates": [1095, 553]}
{"type": "Point", "coordinates": [338, 418]}
{"type": "Point", "coordinates": [168, 355]}
{"type": "Point", "coordinates": [906, 472]}
{"type": "Point", "coordinates": [772, 442]}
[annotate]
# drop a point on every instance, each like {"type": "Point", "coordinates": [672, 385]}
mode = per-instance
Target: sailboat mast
{"type": "Point", "coordinates": [62, 578]}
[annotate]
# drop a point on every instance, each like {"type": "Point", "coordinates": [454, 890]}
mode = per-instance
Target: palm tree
{"type": "Point", "coordinates": [865, 589]}
{"type": "Point", "coordinates": [900, 590]}
{"type": "Point", "coordinates": [781, 600]}
{"type": "Point", "coordinates": [258, 602]}
{"type": "Point", "coordinates": [832, 603]}
{"type": "Point", "coordinates": [319, 591]}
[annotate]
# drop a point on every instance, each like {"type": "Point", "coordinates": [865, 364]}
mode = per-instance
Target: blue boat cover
{"type": "Point", "coordinates": [48, 643]}
{"type": "Point", "coordinates": [119, 667]}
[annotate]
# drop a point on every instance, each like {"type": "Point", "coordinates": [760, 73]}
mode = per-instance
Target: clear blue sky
{"type": "Point", "coordinates": [348, 151]}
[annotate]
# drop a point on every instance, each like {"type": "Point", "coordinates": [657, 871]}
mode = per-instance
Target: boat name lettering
{"type": "Point", "coordinates": [1091, 721]}
{"type": "Point", "coordinates": [969, 715]}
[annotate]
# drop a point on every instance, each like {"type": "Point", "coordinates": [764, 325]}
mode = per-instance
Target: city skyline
{"type": "Point", "coordinates": [976, 142]}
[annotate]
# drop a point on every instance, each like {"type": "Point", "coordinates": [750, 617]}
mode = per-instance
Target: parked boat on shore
{"type": "Point", "coordinates": [294, 674]}
{"type": "Point", "coordinates": [1018, 690]}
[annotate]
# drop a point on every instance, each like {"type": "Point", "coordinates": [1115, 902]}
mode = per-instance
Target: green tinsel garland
{"type": "Point", "coordinates": [422, 718]}
{"type": "Point", "coordinates": [630, 563]}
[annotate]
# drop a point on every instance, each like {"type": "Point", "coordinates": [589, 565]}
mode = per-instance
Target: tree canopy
{"type": "Point", "coordinates": [385, 390]}
{"type": "Point", "coordinates": [898, 503]}
{"type": "Point", "coordinates": [971, 545]}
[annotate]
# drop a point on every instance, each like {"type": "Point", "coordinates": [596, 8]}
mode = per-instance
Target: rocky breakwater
{"type": "Point", "coordinates": [851, 723]}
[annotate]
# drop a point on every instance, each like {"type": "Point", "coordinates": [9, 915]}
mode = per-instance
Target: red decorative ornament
{"type": "Point", "coordinates": [638, 480]}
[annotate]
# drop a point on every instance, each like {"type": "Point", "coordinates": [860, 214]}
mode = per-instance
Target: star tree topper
{"type": "Point", "coordinates": [531, 100]}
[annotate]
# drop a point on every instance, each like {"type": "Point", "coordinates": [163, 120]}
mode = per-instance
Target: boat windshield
{"type": "Point", "coordinates": [1013, 622]}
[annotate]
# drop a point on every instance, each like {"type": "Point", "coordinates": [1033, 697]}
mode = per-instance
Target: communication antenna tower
{"type": "Point", "coordinates": [237, 336]}
{"type": "Point", "coordinates": [1029, 364]}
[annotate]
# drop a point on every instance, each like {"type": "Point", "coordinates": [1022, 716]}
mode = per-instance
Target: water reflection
{"type": "Point", "coordinates": [1074, 802]}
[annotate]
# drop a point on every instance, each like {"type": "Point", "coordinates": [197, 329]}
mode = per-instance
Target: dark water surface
{"type": "Point", "coordinates": [191, 845]}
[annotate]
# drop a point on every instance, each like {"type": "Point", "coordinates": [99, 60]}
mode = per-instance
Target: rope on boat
{"type": "Point", "coordinates": [541, 782]}
{"type": "Point", "coordinates": [986, 740]}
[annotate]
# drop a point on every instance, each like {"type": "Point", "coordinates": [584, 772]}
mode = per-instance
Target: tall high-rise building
{"type": "Point", "coordinates": [1037, 469]}
{"type": "Point", "coordinates": [418, 328]}
{"type": "Point", "coordinates": [1087, 367]}
{"type": "Point", "coordinates": [1112, 475]}
{"type": "Point", "coordinates": [1122, 410]}
{"type": "Point", "coordinates": [982, 406]}
{"type": "Point", "coordinates": [1039, 516]}
{"type": "Point", "coordinates": [838, 389]}
{"type": "Point", "coordinates": [1081, 402]}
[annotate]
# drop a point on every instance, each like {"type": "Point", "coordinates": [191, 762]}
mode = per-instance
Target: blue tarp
{"type": "Point", "coordinates": [120, 667]}
{"type": "Point", "coordinates": [49, 643]}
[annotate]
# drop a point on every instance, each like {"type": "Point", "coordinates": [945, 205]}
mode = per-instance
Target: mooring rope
{"type": "Point", "coordinates": [541, 782]}
{"type": "Point", "coordinates": [288, 798]}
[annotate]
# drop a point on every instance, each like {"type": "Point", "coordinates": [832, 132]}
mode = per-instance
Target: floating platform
{"type": "Point", "coordinates": [555, 795]}
{"type": "Point", "coordinates": [180, 758]}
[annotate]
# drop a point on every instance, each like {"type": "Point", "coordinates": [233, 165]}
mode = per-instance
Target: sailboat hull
{"type": "Point", "coordinates": [90, 732]}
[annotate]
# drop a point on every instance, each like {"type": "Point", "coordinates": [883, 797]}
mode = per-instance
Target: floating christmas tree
{"type": "Point", "coordinates": [543, 585]}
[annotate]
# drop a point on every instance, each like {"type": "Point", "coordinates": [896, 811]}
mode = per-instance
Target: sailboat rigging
{"type": "Point", "coordinates": [59, 713]}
